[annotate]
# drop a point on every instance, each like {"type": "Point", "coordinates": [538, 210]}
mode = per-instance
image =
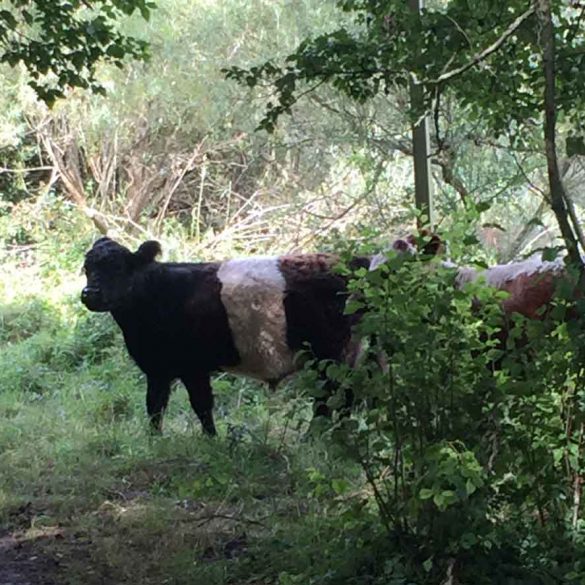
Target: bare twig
{"type": "Point", "coordinates": [187, 167]}
{"type": "Point", "coordinates": [578, 479]}
{"type": "Point", "coordinates": [450, 576]}
{"type": "Point", "coordinates": [4, 170]}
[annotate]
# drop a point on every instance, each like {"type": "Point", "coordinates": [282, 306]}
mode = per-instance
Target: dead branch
{"type": "Point", "coordinates": [578, 479]}
{"type": "Point", "coordinates": [70, 175]}
{"type": "Point", "coordinates": [519, 240]}
{"type": "Point", "coordinates": [187, 167]}
{"type": "Point", "coordinates": [6, 170]}
{"type": "Point", "coordinates": [445, 159]}
{"type": "Point", "coordinates": [450, 576]}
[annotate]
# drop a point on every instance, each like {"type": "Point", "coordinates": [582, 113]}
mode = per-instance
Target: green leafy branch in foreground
{"type": "Point", "coordinates": [472, 440]}
{"type": "Point", "coordinates": [61, 42]}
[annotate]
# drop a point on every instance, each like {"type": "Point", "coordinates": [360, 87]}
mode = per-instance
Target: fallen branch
{"type": "Point", "coordinates": [241, 519]}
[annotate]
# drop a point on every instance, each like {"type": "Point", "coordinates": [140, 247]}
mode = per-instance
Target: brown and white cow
{"type": "Point", "coordinates": [249, 316]}
{"type": "Point", "coordinates": [530, 284]}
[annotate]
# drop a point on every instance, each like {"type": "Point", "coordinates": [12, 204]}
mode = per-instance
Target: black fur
{"type": "Point", "coordinates": [172, 319]}
{"type": "Point", "coordinates": [176, 327]}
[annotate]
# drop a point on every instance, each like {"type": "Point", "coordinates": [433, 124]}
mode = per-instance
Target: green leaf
{"type": "Point", "coordinates": [8, 18]}
{"type": "Point", "coordinates": [550, 254]}
{"type": "Point", "coordinates": [340, 486]}
{"type": "Point", "coordinates": [425, 494]}
{"type": "Point", "coordinates": [575, 146]}
{"type": "Point", "coordinates": [115, 51]}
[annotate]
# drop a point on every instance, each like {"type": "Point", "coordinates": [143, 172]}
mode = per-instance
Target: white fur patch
{"type": "Point", "coordinates": [377, 260]}
{"type": "Point", "coordinates": [498, 276]}
{"type": "Point", "coordinates": [252, 294]}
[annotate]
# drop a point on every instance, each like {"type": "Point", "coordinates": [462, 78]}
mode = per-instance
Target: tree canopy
{"type": "Point", "coordinates": [487, 52]}
{"type": "Point", "coordinates": [511, 65]}
{"type": "Point", "coordinates": [60, 42]}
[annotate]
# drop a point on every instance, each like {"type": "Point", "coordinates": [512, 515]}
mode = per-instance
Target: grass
{"type": "Point", "coordinates": [84, 482]}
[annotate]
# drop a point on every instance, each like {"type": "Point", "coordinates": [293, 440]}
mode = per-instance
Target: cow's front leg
{"type": "Point", "coordinates": [201, 398]}
{"type": "Point", "coordinates": [157, 398]}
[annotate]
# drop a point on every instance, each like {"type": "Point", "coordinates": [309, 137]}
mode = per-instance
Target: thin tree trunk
{"type": "Point", "coordinates": [558, 196]}
{"type": "Point", "coordinates": [423, 187]}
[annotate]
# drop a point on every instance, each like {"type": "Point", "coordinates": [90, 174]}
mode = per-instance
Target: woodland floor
{"type": "Point", "coordinates": [25, 562]}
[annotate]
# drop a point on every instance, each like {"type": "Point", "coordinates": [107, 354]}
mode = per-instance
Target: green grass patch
{"type": "Point", "coordinates": [84, 482]}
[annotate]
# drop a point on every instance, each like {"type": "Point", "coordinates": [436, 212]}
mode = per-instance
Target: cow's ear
{"type": "Point", "coordinates": [401, 245]}
{"type": "Point", "coordinates": [101, 241]}
{"type": "Point", "coordinates": [147, 252]}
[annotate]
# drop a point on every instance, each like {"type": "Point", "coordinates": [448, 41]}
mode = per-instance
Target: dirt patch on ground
{"type": "Point", "coordinates": [23, 561]}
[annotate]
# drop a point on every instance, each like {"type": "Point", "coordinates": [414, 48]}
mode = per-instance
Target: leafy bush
{"type": "Point", "coordinates": [473, 440]}
{"type": "Point", "coordinates": [21, 320]}
{"type": "Point", "coordinates": [24, 367]}
{"type": "Point", "coordinates": [90, 341]}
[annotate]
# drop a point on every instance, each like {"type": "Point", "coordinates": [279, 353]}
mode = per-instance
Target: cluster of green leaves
{"type": "Point", "coordinates": [387, 45]}
{"type": "Point", "coordinates": [60, 42]}
{"type": "Point", "coordinates": [472, 438]}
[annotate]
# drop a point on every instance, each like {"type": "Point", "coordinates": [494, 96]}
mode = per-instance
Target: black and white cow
{"type": "Point", "coordinates": [248, 316]}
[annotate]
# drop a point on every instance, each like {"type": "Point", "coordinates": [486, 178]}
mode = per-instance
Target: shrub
{"type": "Point", "coordinates": [472, 447]}
{"type": "Point", "coordinates": [90, 341]}
{"type": "Point", "coordinates": [24, 367]}
{"type": "Point", "coordinates": [19, 321]}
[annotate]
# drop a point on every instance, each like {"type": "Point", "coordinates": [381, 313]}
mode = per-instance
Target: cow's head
{"type": "Point", "coordinates": [109, 268]}
{"type": "Point", "coordinates": [425, 243]}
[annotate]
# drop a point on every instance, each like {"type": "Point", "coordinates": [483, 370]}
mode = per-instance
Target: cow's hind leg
{"type": "Point", "coordinates": [201, 398]}
{"type": "Point", "coordinates": [157, 398]}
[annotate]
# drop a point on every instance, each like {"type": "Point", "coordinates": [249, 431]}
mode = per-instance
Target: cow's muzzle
{"type": "Point", "coordinates": [92, 299]}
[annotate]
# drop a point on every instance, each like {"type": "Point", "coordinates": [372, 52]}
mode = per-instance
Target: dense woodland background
{"type": "Point", "coordinates": [491, 467]}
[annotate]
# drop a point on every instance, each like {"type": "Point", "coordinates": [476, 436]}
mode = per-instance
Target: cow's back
{"type": "Point", "coordinates": [174, 321]}
{"type": "Point", "coordinates": [277, 306]}
{"type": "Point", "coordinates": [248, 316]}
{"type": "Point", "coordinates": [314, 305]}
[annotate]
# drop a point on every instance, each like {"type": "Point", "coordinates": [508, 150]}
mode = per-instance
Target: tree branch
{"type": "Point", "coordinates": [558, 195]}
{"type": "Point", "coordinates": [483, 55]}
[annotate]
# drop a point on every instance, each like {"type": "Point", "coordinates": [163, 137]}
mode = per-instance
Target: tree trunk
{"type": "Point", "coordinates": [423, 194]}
{"type": "Point", "coordinates": [558, 196]}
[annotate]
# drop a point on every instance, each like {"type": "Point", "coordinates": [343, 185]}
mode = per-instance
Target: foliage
{"type": "Point", "coordinates": [483, 109]}
{"type": "Point", "coordinates": [487, 459]}
{"type": "Point", "coordinates": [454, 469]}
{"type": "Point", "coordinates": [472, 437]}
{"type": "Point", "coordinates": [84, 483]}
{"type": "Point", "coordinates": [21, 320]}
{"type": "Point", "coordinates": [388, 45]}
{"type": "Point", "coordinates": [61, 42]}
{"type": "Point", "coordinates": [171, 148]}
